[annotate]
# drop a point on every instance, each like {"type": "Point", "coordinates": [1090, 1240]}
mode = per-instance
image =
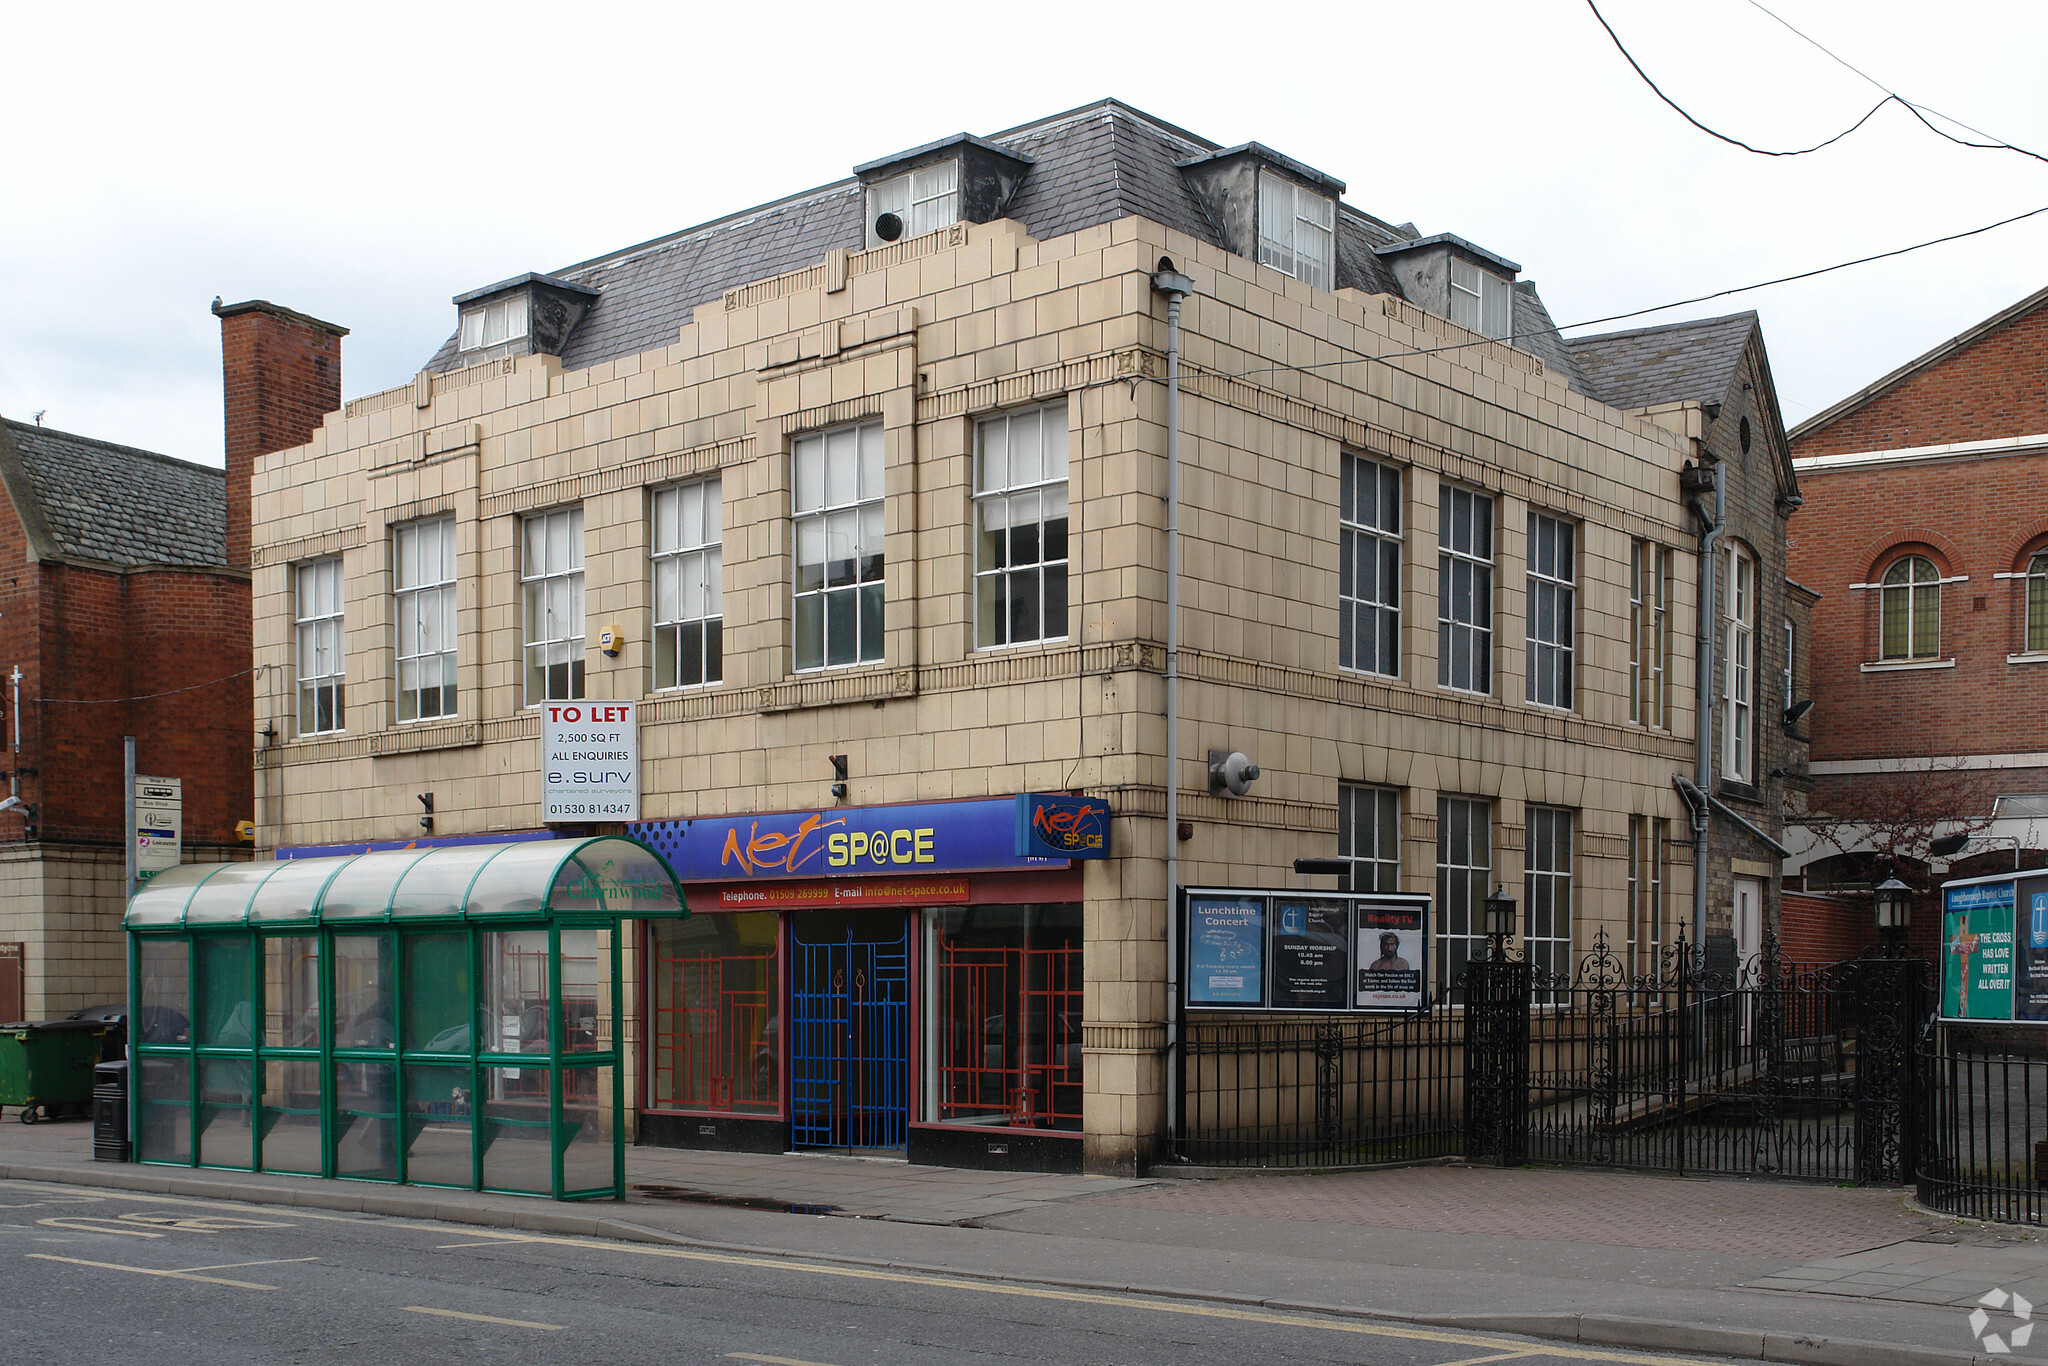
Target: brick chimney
{"type": "Point", "coordinates": [282, 374]}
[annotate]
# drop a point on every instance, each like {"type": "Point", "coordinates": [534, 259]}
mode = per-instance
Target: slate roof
{"type": "Point", "coordinates": [1091, 165]}
{"type": "Point", "coordinates": [1676, 363]}
{"type": "Point", "coordinates": [116, 504]}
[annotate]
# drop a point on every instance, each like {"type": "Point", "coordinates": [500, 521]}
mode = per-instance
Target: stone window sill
{"type": "Point", "coordinates": [1887, 666]}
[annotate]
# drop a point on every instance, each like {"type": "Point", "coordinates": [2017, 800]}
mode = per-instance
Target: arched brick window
{"type": "Point", "coordinates": [2037, 603]}
{"type": "Point", "coordinates": [1912, 610]}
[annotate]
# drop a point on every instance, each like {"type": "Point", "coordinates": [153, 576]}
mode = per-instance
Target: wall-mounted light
{"type": "Point", "coordinates": [427, 820]}
{"type": "Point", "coordinates": [1797, 710]}
{"type": "Point", "coordinates": [838, 777]}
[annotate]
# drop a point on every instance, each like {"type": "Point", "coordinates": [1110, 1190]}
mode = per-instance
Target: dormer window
{"type": "Point", "coordinates": [501, 320]}
{"type": "Point", "coordinates": [919, 201]}
{"type": "Point", "coordinates": [1297, 230]}
{"type": "Point", "coordinates": [1480, 300]}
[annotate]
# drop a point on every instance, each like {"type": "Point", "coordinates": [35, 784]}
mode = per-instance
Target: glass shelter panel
{"type": "Point", "coordinates": [227, 992]}
{"type": "Point", "coordinates": [224, 898]}
{"type": "Point", "coordinates": [290, 1116]}
{"type": "Point", "coordinates": [586, 991]}
{"type": "Point", "coordinates": [225, 1139]}
{"type": "Point", "coordinates": [166, 970]}
{"type": "Point", "coordinates": [438, 883]}
{"type": "Point", "coordinates": [290, 892]}
{"type": "Point", "coordinates": [516, 881]}
{"type": "Point", "coordinates": [514, 1130]}
{"type": "Point", "coordinates": [291, 991]}
{"type": "Point", "coordinates": [437, 1136]}
{"type": "Point", "coordinates": [437, 993]}
{"type": "Point", "coordinates": [363, 889]}
{"type": "Point", "coordinates": [362, 992]}
{"type": "Point", "coordinates": [162, 900]}
{"type": "Point", "coordinates": [164, 1133]}
{"type": "Point", "coordinates": [587, 1128]}
{"type": "Point", "coordinates": [717, 1013]}
{"type": "Point", "coordinates": [365, 1121]}
{"type": "Point", "coordinates": [512, 1008]}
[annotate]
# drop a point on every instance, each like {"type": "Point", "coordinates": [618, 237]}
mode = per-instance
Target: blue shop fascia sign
{"type": "Point", "coordinates": [1025, 832]}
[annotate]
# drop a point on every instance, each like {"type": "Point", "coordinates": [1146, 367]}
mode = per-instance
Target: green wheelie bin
{"type": "Point", "coordinates": [46, 1066]}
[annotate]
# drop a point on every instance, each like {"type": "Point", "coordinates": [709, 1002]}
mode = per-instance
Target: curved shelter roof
{"type": "Point", "coordinates": [605, 878]}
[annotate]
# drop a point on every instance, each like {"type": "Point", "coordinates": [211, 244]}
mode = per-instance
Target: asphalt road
{"type": "Point", "coordinates": [96, 1276]}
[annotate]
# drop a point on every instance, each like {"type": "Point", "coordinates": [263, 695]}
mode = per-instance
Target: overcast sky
{"type": "Point", "coordinates": [363, 163]}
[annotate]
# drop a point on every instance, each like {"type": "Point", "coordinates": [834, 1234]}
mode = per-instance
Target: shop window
{"type": "Point", "coordinates": [1004, 1044]}
{"type": "Point", "coordinates": [717, 1014]}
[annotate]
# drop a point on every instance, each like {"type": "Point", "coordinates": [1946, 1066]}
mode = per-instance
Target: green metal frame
{"type": "Point", "coordinates": [396, 930]}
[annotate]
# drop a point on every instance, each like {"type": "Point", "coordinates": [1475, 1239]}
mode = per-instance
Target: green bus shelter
{"type": "Point", "coordinates": [439, 1017]}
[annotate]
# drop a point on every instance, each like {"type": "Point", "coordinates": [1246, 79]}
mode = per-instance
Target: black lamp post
{"type": "Point", "coordinates": [1894, 902]}
{"type": "Point", "coordinates": [1499, 912]}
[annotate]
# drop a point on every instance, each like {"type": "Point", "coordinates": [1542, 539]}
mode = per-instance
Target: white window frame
{"type": "Point", "coordinates": [1464, 874]}
{"type": "Point", "coordinates": [926, 199]}
{"type": "Point", "coordinates": [1547, 887]}
{"type": "Point", "coordinates": [836, 520]}
{"type": "Point", "coordinates": [1916, 591]}
{"type": "Point", "coordinates": [1551, 620]}
{"type": "Point", "coordinates": [1738, 666]}
{"type": "Point", "coordinates": [317, 592]}
{"type": "Point", "coordinates": [1791, 655]}
{"type": "Point", "coordinates": [1297, 231]}
{"type": "Point", "coordinates": [1464, 612]}
{"type": "Point", "coordinates": [1022, 536]}
{"type": "Point", "coordinates": [1481, 301]}
{"type": "Point", "coordinates": [1649, 634]}
{"type": "Point", "coordinates": [551, 604]}
{"type": "Point", "coordinates": [1369, 567]}
{"type": "Point", "coordinates": [423, 603]}
{"type": "Point", "coordinates": [1646, 836]}
{"type": "Point", "coordinates": [1369, 834]}
{"type": "Point", "coordinates": [687, 560]}
{"type": "Point", "coordinates": [494, 323]}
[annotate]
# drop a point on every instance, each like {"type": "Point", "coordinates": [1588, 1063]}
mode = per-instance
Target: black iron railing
{"type": "Point", "coordinates": [1983, 1110]}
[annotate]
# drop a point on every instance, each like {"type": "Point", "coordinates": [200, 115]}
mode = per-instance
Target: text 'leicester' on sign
{"type": "Point", "coordinates": [855, 841]}
{"type": "Point", "coordinates": [589, 762]}
{"type": "Point", "coordinates": [1062, 827]}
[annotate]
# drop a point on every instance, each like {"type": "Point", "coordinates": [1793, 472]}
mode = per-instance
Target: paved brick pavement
{"type": "Point", "coordinates": [1617, 1209]}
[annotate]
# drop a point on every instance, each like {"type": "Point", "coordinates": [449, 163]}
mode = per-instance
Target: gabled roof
{"type": "Point", "coordinates": [1089, 166]}
{"type": "Point", "coordinates": [83, 499]}
{"type": "Point", "coordinates": [1691, 362]}
{"type": "Point", "coordinates": [1960, 341]}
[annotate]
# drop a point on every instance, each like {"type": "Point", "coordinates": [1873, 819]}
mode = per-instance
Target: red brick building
{"type": "Point", "coordinates": [1925, 532]}
{"type": "Point", "coordinates": [124, 604]}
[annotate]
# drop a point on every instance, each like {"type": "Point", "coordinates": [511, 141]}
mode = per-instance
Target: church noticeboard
{"type": "Point", "coordinates": [1261, 949]}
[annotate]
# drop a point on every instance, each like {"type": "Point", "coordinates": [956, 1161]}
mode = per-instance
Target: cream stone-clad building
{"type": "Point", "coordinates": [870, 488]}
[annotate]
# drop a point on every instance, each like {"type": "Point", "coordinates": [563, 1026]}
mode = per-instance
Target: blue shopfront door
{"type": "Point", "coordinates": [850, 1040]}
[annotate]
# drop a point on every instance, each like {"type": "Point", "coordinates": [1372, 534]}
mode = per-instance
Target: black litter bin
{"type": "Point", "coordinates": [110, 1112]}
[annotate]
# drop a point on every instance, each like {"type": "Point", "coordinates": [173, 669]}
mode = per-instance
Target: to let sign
{"type": "Point", "coordinates": [159, 825]}
{"type": "Point", "coordinates": [590, 762]}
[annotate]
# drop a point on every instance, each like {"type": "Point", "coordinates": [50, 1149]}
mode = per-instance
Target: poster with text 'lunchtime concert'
{"type": "Point", "coordinates": [1994, 950]}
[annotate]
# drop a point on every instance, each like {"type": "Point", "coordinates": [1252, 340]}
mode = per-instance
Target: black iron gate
{"type": "Point", "coordinates": [1764, 1069]}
